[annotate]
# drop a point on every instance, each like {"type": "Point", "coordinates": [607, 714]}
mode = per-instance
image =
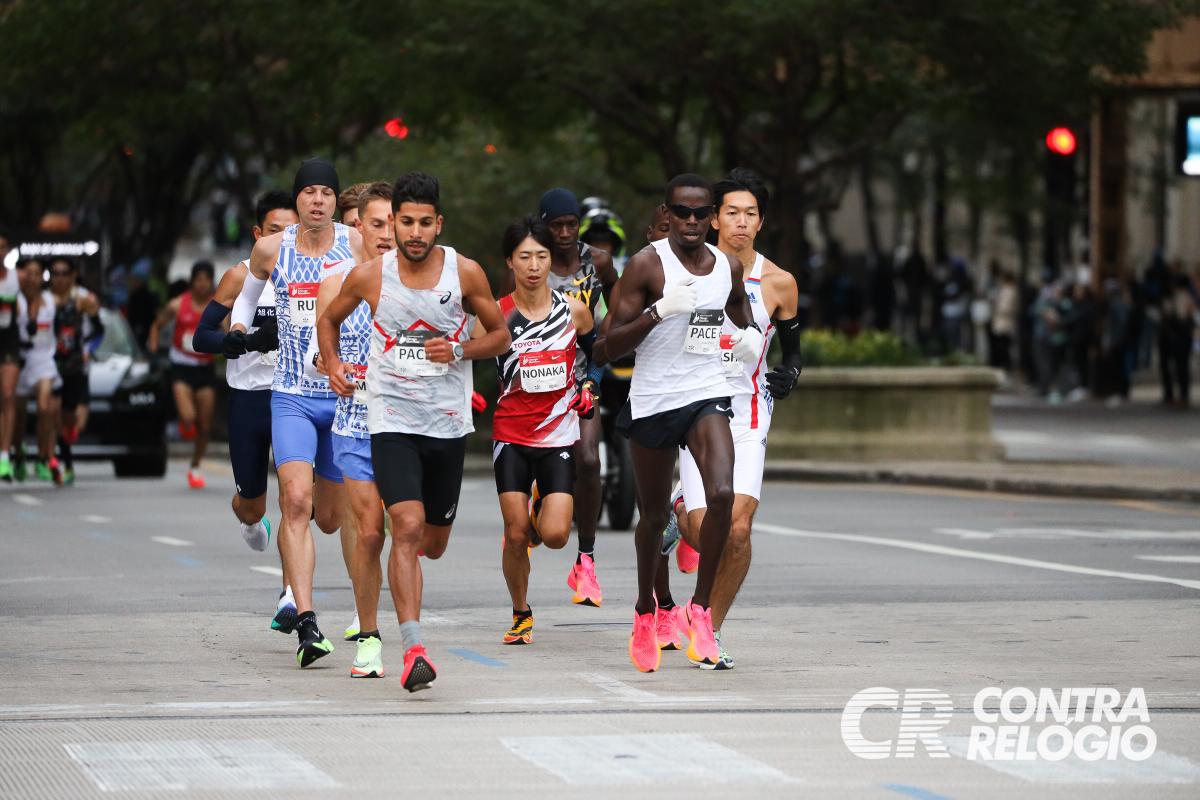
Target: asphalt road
{"type": "Point", "coordinates": [140, 662]}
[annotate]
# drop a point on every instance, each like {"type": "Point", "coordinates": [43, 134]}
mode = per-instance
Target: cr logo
{"type": "Point", "coordinates": [923, 713]}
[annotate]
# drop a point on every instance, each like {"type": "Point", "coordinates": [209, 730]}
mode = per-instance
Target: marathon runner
{"type": "Point", "coordinates": [10, 358]}
{"type": "Point", "coordinates": [249, 371]}
{"type": "Point", "coordinates": [536, 424]}
{"type": "Point", "coordinates": [678, 397]}
{"type": "Point", "coordinates": [302, 404]}
{"type": "Point", "coordinates": [588, 275]}
{"type": "Point", "coordinates": [76, 325]}
{"type": "Point", "coordinates": [741, 200]}
{"type": "Point", "coordinates": [39, 375]}
{"type": "Point", "coordinates": [418, 388]}
{"type": "Point", "coordinates": [351, 439]}
{"type": "Point", "coordinates": [191, 372]}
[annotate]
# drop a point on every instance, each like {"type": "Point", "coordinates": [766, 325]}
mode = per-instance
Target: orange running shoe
{"type": "Point", "coordinates": [643, 644]}
{"type": "Point", "coordinates": [671, 628]}
{"type": "Point", "coordinates": [702, 650]}
{"type": "Point", "coordinates": [195, 479]}
{"type": "Point", "coordinates": [418, 669]}
{"type": "Point", "coordinates": [687, 557]}
{"type": "Point", "coordinates": [582, 581]}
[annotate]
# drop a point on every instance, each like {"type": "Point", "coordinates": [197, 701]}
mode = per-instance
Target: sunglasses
{"type": "Point", "coordinates": [701, 213]}
{"type": "Point", "coordinates": [58, 273]}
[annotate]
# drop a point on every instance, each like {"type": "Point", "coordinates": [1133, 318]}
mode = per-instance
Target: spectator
{"type": "Point", "coordinates": [1175, 335]}
{"type": "Point", "coordinates": [1113, 369]}
{"type": "Point", "coordinates": [1005, 305]}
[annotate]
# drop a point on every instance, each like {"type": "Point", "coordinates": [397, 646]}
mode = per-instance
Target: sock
{"type": "Point", "coordinates": [520, 615]}
{"type": "Point", "coordinates": [410, 632]}
{"type": "Point", "coordinates": [285, 597]}
{"type": "Point", "coordinates": [582, 553]}
{"type": "Point", "coordinates": [369, 635]}
{"type": "Point", "coordinates": [666, 605]}
{"type": "Point", "coordinates": [307, 622]}
{"type": "Point", "coordinates": [64, 447]}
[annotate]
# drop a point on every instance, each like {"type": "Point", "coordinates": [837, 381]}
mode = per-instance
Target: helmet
{"type": "Point", "coordinates": [590, 204]}
{"type": "Point", "coordinates": [600, 223]}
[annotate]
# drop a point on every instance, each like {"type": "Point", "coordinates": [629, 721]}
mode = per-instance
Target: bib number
{"type": "Point", "coordinates": [187, 343]}
{"type": "Point", "coordinates": [411, 359]}
{"type": "Point", "coordinates": [704, 332]}
{"type": "Point", "coordinates": [545, 371]}
{"type": "Point", "coordinates": [731, 366]}
{"type": "Point", "coordinates": [302, 304]}
{"type": "Point", "coordinates": [359, 374]}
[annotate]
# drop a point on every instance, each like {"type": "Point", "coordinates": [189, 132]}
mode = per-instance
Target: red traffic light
{"type": "Point", "coordinates": [1061, 141]}
{"type": "Point", "coordinates": [396, 128]}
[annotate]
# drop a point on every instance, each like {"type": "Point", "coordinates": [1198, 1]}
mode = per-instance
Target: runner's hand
{"type": "Point", "coordinates": [265, 339]}
{"type": "Point", "coordinates": [678, 298]}
{"type": "Point", "coordinates": [339, 381]}
{"type": "Point", "coordinates": [439, 350]}
{"type": "Point", "coordinates": [584, 404]}
{"type": "Point", "coordinates": [314, 365]}
{"type": "Point", "coordinates": [478, 402]}
{"type": "Point", "coordinates": [781, 381]}
{"type": "Point", "coordinates": [747, 344]}
{"type": "Point", "coordinates": [234, 344]}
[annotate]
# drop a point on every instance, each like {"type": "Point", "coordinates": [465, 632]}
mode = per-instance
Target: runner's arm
{"type": "Point", "coordinates": [262, 262]}
{"type": "Point", "coordinates": [600, 347]}
{"type": "Point", "coordinates": [165, 316]}
{"type": "Point", "coordinates": [737, 308]}
{"type": "Point", "coordinates": [353, 291]}
{"type": "Point", "coordinates": [478, 300]}
{"type": "Point", "coordinates": [630, 313]}
{"type": "Point", "coordinates": [606, 272]}
{"type": "Point", "coordinates": [782, 379]}
{"type": "Point", "coordinates": [210, 336]}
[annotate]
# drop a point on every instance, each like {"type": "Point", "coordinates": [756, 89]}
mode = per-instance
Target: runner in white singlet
{"type": "Point", "coordinates": [674, 298]}
{"type": "Point", "coordinates": [422, 297]}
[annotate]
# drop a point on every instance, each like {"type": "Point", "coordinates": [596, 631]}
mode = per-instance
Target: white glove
{"type": "Point", "coordinates": [747, 344]}
{"type": "Point", "coordinates": [311, 355]}
{"type": "Point", "coordinates": [679, 298]}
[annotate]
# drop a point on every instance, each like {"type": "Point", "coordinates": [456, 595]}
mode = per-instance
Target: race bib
{"type": "Point", "coordinates": [545, 371]}
{"type": "Point", "coordinates": [359, 372]}
{"type": "Point", "coordinates": [704, 332]}
{"type": "Point", "coordinates": [302, 303]}
{"type": "Point", "coordinates": [187, 343]}
{"type": "Point", "coordinates": [411, 360]}
{"type": "Point", "coordinates": [729, 363]}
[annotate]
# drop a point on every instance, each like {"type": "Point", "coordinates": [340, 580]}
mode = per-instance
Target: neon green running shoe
{"type": "Point", "coordinates": [368, 661]}
{"type": "Point", "coordinates": [6, 471]}
{"type": "Point", "coordinates": [42, 471]}
{"type": "Point", "coordinates": [313, 647]}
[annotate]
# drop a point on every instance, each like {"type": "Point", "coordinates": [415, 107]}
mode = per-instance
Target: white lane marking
{"type": "Point", "coordinates": [964, 533]}
{"type": "Point", "coordinates": [79, 709]}
{"type": "Point", "coordinates": [95, 518]}
{"type": "Point", "coordinates": [1161, 767]}
{"type": "Point", "coordinates": [937, 549]}
{"type": "Point", "coordinates": [647, 758]}
{"type": "Point", "coordinates": [534, 701]}
{"type": "Point", "coordinates": [39, 578]}
{"type": "Point", "coordinates": [26, 500]}
{"type": "Point", "coordinates": [171, 540]}
{"type": "Point", "coordinates": [1172, 559]}
{"type": "Point", "coordinates": [623, 691]}
{"type": "Point", "coordinates": [1023, 437]}
{"type": "Point", "coordinates": [276, 571]}
{"type": "Point", "coordinates": [229, 764]}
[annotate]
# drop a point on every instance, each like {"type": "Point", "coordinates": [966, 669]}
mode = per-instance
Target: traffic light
{"type": "Point", "coordinates": [1061, 141]}
{"type": "Point", "coordinates": [396, 128]}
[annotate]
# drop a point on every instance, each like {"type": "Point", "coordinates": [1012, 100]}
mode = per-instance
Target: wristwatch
{"type": "Point", "coordinates": [458, 351]}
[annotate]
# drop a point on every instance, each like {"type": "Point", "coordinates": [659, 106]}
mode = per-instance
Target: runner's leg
{"type": "Point", "coordinates": [711, 444]}
{"type": "Point", "coordinates": [46, 419]}
{"type": "Point", "coordinates": [587, 482]}
{"type": "Point", "coordinates": [8, 405]}
{"type": "Point", "coordinates": [735, 562]}
{"type": "Point", "coordinates": [185, 404]}
{"type": "Point", "coordinates": [296, 546]}
{"type": "Point", "coordinates": [205, 400]}
{"type": "Point", "coordinates": [654, 470]}
{"type": "Point", "coordinates": [363, 499]}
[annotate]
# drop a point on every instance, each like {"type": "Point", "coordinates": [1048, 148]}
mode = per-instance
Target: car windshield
{"type": "Point", "coordinates": [118, 337]}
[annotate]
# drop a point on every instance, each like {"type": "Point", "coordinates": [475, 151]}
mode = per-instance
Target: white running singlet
{"type": "Point", "coordinates": [665, 375]}
{"type": "Point", "coordinates": [254, 372]}
{"type": "Point", "coordinates": [406, 393]}
{"type": "Point", "coordinates": [296, 279]}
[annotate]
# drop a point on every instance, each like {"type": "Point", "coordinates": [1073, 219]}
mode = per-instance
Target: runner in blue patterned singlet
{"type": "Point", "coordinates": [422, 297]}
{"type": "Point", "coordinates": [302, 404]}
{"type": "Point", "coordinates": [352, 441]}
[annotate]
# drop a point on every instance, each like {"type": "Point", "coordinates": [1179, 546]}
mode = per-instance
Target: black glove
{"type": "Point", "coordinates": [31, 328]}
{"type": "Point", "coordinates": [265, 339]}
{"type": "Point", "coordinates": [781, 381]}
{"type": "Point", "coordinates": [234, 344]}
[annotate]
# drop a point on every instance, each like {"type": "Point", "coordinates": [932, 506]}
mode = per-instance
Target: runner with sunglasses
{"type": "Point", "coordinates": [76, 324]}
{"type": "Point", "coordinates": [675, 296]}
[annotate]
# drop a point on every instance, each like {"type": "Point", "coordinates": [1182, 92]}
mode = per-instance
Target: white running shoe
{"type": "Point", "coordinates": [258, 535]}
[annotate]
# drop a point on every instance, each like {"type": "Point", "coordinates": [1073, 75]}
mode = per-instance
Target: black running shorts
{"type": "Point", "coordinates": [669, 429]}
{"type": "Point", "coordinates": [423, 468]}
{"type": "Point", "coordinates": [518, 466]}
{"type": "Point", "coordinates": [74, 390]}
{"type": "Point", "coordinates": [250, 440]}
{"type": "Point", "coordinates": [198, 376]}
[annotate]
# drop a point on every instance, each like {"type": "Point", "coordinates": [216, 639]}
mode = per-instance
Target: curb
{"type": "Point", "coordinates": [999, 484]}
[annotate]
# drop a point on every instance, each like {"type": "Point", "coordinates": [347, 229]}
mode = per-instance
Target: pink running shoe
{"type": "Point", "coordinates": [671, 628]}
{"type": "Point", "coordinates": [687, 557]}
{"type": "Point", "coordinates": [643, 644]}
{"type": "Point", "coordinates": [582, 581]}
{"type": "Point", "coordinates": [702, 645]}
